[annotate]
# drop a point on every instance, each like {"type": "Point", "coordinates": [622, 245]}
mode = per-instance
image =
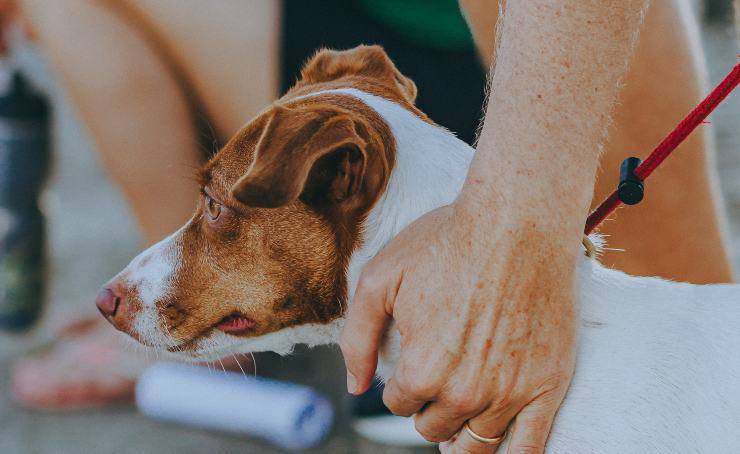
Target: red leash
{"type": "Point", "coordinates": [633, 173]}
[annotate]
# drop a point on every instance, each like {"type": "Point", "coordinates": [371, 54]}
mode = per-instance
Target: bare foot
{"type": "Point", "coordinates": [89, 366]}
{"type": "Point", "coordinates": [86, 367]}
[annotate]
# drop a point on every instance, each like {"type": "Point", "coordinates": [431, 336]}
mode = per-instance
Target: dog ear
{"type": "Point", "coordinates": [315, 156]}
{"type": "Point", "coordinates": [369, 61]}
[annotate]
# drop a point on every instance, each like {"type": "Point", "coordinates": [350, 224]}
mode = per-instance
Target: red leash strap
{"type": "Point", "coordinates": [666, 147]}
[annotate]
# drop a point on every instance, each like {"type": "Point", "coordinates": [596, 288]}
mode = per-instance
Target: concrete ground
{"type": "Point", "coordinates": [92, 237]}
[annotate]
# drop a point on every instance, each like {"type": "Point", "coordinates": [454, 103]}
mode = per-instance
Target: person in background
{"type": "Point", "coordinates": [141, 73]}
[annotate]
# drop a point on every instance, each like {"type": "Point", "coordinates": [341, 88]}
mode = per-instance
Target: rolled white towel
{"type": "Point", "coordinates": [288, 415]}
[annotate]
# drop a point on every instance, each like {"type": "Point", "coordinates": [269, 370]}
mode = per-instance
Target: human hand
{"type": "Point", "coordinates": [487, 320]}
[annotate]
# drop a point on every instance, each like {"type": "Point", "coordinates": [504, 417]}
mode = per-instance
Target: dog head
{"type": "Point", "coordinates": [262, 263]}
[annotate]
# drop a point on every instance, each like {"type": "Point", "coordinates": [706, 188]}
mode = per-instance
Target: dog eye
{"type": "Point", "coordinates": [213, 208]}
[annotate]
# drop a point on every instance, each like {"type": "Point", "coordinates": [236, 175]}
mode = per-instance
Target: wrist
{"type": "Point", "coordinates": [553, 209]}
{"type": "Point", "coordinates": [520, 220]}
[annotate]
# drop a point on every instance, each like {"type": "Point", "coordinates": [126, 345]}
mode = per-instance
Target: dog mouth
{"type": "Point", "coordinates": [236, 324]}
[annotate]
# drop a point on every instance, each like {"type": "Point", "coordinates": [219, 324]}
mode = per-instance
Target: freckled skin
{"type": "Point", "coordinates": [516, 228]}
{"type": "Point", "coordinates": [480, 338]}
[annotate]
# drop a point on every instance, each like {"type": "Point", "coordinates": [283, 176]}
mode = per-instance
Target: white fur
{"type": "Point", "coordinates": [150, 273]}
{"type": "Point", "coordinates": [431, 164]}
{"type": "Point", "coordinates": [658, 369]}
{"type": "Point", "coordinates": [219, 345]}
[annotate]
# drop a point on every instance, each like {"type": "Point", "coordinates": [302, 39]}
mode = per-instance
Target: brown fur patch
{"type": "Point", "coordinates": [293, 186]}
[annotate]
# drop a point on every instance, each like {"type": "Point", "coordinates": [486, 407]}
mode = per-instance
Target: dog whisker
{"type": "Point", "coordinates": [222, 366]}
{"type": "Point", "coordinates": [239, 364]}
{"type": "Point", "coordinates": [254, 363]}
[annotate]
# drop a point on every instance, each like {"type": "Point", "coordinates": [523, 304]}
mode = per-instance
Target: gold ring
{"type": "Point", "coordinates": [489, 441]}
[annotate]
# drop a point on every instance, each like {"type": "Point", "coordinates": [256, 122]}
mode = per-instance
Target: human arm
{"type": "Point", "coordinates": [482, 290]}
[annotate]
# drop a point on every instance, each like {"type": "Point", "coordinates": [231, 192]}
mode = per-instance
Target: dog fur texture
{"type": "Point", "coordinates": [314, 187]}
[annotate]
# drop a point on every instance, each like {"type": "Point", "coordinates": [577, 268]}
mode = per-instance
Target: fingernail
{"type": "Point", "coordinates": [351, 383]}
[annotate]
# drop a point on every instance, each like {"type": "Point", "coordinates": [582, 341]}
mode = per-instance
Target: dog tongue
{"type": "Point", "coordinates": [236, 324]}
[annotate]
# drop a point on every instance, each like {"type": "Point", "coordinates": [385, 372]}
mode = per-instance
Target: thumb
{"type": "Point", "coordinates": [363, 331]}
{"type": "Point", "coordinates": [532, 426]}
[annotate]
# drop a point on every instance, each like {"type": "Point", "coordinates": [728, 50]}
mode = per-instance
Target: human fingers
{"type": "Point", "coordinates": [366, 322]}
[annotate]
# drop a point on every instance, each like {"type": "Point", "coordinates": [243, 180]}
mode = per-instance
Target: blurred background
{"type": "Point", "coordinates": [92, 234]}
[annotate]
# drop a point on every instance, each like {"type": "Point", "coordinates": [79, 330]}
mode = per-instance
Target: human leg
{"type": "Point", "coordinates": [142, 126]}
{"type": "Point", "coordinates": [678, 231]}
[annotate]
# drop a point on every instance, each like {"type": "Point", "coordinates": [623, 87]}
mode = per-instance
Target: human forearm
{"type": "Point", "coordinates": [557, 76]}
{"type": "Point", "coordinates": [481, 290]}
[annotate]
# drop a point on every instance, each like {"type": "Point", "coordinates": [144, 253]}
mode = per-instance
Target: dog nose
{"type": "Point", "coordinates": [108, 302]}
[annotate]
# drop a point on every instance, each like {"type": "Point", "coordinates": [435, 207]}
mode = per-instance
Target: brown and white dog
{"type": "Point", "coordinates": [306, 193]}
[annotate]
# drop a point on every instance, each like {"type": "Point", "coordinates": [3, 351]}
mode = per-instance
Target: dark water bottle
{"type": "Point", "coordinates": [24, 162]}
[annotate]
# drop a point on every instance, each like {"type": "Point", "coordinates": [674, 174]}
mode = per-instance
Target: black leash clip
{"type": "Point", "coordinates": [631, 189]}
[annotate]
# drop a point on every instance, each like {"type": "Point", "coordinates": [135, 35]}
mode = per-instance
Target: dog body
{"type": "Point", "coordinates": [315, 186]}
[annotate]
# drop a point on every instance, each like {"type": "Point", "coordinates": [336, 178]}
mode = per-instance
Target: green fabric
{"type": "Point", "coordinates": [435, 23]}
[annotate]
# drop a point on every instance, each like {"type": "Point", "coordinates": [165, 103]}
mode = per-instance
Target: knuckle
{"type": "Point", "coordinates": [539, 423]}
{"type": "Point", "coordinates": [414, 387]}
{"type": "Point", "coordinates": [394, 406]}
{"type": "Point", "coordinates": [500, 402]}
{"type": "Point", "coordinates": [466, 405]}
{"type": "Point", "coordinates": [558, 380]}
{"type": "Point", "coordinates": [429, 433]}
{"type": "Point", "coordinates": [465, 401]}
